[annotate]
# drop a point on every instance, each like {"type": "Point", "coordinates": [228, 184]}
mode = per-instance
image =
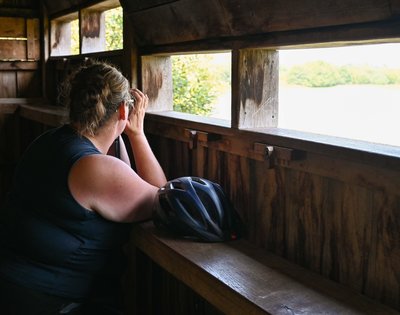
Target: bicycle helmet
{"type": "Point", "coordinates": [195, 207]}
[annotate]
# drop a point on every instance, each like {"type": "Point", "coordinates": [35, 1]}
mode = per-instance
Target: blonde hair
{"type": "Point", "coordinates": [93, 93]}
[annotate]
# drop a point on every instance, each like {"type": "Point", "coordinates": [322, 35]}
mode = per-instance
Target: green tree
{"type": "Point", "coordinates": [114, 28]}
{"type": "Point", "coordinates": [314, 74]}
{"type": "Point", "coordinates": [74, 37]}
{"type": "Point", "coordinates": [196, 83]}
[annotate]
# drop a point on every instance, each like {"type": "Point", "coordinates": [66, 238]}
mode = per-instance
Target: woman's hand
{"type": "Point", "coordinates": [146, 164]}
{"type": "Point", "coordinates": [135, 120]}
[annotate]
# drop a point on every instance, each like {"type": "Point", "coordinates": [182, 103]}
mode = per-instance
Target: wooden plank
{"type": "Point", "coordinates": [256, 17]}
{"type": "Point", "coordinates": [175, 22]}
{"type": "Point", "coordinates": [105, 5]}
{"type": "Point", "coordinates": [8, 108]}
{"type": "Point", "coordinates": [93, 31]}
{"type": "Point", "coordinates": [28, 84]}
{"type": "Point", "coordinates": [60, 38]}
{"type": "Point", "coordinates": [237, 278]}
{"type": "Point", "coordinates": [12, 49]}
{"type": "Point", "coordinates": [352, 150]}
{"type": "Point", "coordinates": [385, 241]}
{"type": "Point", "coordinates": [12, 27]}
{"type": "Point", "coordinates": [8, 84]}
{"type": "Point", "coordinates": [47, 115]}
{"type": "Point", "coordinates": [363, 33]}
{"type": "Point", "coordinates": [21, 11]}
{"type": "Point", "coordinates": [138, 5]}
{"type": "Point", "coordinates": [395, 7]}
{"type": "Point", "coordinates": [258, 88]}
{"type": "Point", "coordinates": [157, 82]}
{"type": "Point", "coordinates": [19, 65]}
{"type": "Point", "coordinates": [33, 35]}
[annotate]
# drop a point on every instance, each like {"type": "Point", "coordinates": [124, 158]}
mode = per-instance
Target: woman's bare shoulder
{"type": "Point", "coordinates": [104, 183]}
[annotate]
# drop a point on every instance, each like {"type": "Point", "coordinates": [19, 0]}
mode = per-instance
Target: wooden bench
{"type": "Point", "coordinates": [238, 278]}
{"type": "Point", "coordinates": [35, 109]}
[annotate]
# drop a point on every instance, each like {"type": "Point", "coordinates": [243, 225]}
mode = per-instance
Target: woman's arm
{"type": "Point", "coordinates": [111, 187]}
{"type": "Point", "coordinates": [146, 163]}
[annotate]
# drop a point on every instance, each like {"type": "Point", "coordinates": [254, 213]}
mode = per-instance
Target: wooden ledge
{"type": "Point", "coordinates": [238, 278]}
{"type": "Point", "coordinates": [49, 115]}
{"type": "Point", "coordinates": [36, 109]}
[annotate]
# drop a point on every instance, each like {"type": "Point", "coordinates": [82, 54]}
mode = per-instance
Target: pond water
{"type": "Point", "coordinates": [362, 112]}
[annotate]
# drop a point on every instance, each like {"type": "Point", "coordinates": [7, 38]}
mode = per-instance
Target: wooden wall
{"type": "Point", "coordinates": [332, 215]}
{"type": "Point", "coordinates": [19, 55]}
{"type": "Point", "coordinates": [330, 206]}
{"type": "Point", "coordinates": [20, 77]}
{"type": "Point", "coordinates": [161, 22]}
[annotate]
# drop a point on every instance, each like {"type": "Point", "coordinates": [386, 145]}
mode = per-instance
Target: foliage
{"type": "Point", "coordinates": [114, 27]}
{"type": "Point", "coordinates": [322, 74]}
{"type": "Point", "coordinates": [74, 37]}
{"type": "Point", "coordinates": [196, 82]}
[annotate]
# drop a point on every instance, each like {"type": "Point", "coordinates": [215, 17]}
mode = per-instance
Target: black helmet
{"type": "Point", "coordinates": [197, 208]}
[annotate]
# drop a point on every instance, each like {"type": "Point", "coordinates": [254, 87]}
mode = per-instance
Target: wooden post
{"type": "Point", "coordinates": [60, 38]}
{"type": "Point", "coordinates": [93, 31]}
{"type": "Point", "coordinates": [257, 86]}
{"type": "Point", "coordinates": [157, 82]}
{"type": "Point", "coordinates": [130, 64]}
{"type": "Point", "coordinates": [32, 34]}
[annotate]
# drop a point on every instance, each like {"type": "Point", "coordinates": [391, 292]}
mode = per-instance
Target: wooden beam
{"type": "Point", "coordinates": [18, 65]}
{"type": "Point", "coordinates": [258, 89]}
{"type": "Point", "coordinates": [8, 108]}
{"type": "Point", "coordinates": [157, 82]}
{"type": "Point", "coordinates": [12, 49]}
{"type": "Point", "coordinates": [47, 115]}
{"type": "Point", "coordinates": [93, 31]}
{"type": "Point", "coordinates": [12, 27]}
{"type": "Point", "coordinates": [33, 38]}
{"type": "Point", "coordinates": [19, 12]}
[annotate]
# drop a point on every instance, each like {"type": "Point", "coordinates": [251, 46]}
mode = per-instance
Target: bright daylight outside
{"type": "Point", "coordinates": [113, 31]}
{"type": "Point", "coordinates": [202, 84]}
{"type": "Point", "coordinates": [351, 92]}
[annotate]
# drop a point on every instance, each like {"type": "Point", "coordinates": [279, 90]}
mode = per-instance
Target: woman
{"type": "Point", "coordinates": [70, 200]}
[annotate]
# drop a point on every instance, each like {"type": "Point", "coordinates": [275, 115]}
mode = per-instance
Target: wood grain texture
{"type": "Point", "coordinates": [330, 215]}
{"type": "Point", "coordinates": [33, 39]}
{"type": "Point", "coordinates": [175, 22]}
{"type": "Point", "coordinates": [13, 49]}
{"type": "Point", "coordinates": [157, 82]}
{"type": "Point", "coordinates": [12, 27]}
{"type": "Point", "coordinates": [44, 114]}
{"type": "Point", "coordinates": [8, 84]}
{"type": "Point", "coordinates": [239, 279]}
{"type": "Point", "coordinates": [258, 88]}
{"type": "Point", "coordinates": [28, 84]}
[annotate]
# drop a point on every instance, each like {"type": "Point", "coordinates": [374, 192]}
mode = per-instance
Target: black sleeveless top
{"type": "Point", "coordinates": [51, 243]}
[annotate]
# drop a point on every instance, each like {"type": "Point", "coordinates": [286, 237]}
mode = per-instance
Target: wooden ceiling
{"type": "Point", "coordinates": [164, 22]}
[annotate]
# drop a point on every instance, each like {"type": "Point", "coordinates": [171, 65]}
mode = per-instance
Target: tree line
{"type": "Point", "coordinates": [323, 74]}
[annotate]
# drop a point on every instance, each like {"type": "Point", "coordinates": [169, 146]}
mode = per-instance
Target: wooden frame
{"type": "Point", "coordinates": [60, 35]}
{"type": "Point", "coordinates": [92, 30]}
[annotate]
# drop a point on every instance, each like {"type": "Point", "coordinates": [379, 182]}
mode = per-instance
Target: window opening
{"type": "Point", "coordinates": [65, 35]}
{"type": "Point", "coordinates": [99, 28]}
{"type": "Point", "coordinates": [102, 27]}
{"type": "Point", "coordinates": [351, 92]}
{"type": "Point", "coordinates": [202, 84]}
